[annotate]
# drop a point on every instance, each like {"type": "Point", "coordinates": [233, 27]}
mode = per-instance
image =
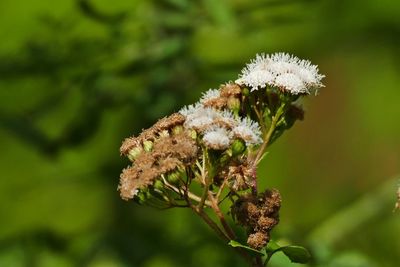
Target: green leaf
{"type": "Point", "coordinates": [236, 244]}
{"type": "Point", "coordinates": [272, 247]}
{"type": "Point", "coordinates": [296, 254]}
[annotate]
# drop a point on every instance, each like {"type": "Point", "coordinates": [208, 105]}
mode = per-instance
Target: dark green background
{"type": "Point", "coordinates": [76, 77]}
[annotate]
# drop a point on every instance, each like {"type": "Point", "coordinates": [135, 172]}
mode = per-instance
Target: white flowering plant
{"type": "Point", "coordinates": [207, 154]}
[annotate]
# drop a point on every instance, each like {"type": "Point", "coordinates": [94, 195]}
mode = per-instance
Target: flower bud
{"type": "Point", "coordinates": [245, 91]}
{"type": "Point", "coordinates": [148, 145]}
{"type": "Point", "coordinates": [193, 134]}
{"type": "Point", "coordinates": [148, 194]}
{"type": "Point", "coordinates": [177, 129]}
{"type": "Point", "coordinates": [174, 177]}
{"type": "Point", "coordinates": [141, 197]}
{"type": "Point", "coordinates": [238, 147]}
{"type": "Point", "coordinates": [134, 153]}
{"type": "Point", "coordinates": [233, 104]}
{"type": "Point", "coordinates": [163, 133]}
{"type": "Point", "coordinates": [158, 185]}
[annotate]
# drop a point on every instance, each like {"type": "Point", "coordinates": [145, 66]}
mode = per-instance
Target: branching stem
{"type": "Point", "coordinates": [220, 215]}
{"type": "Point", "coordinates": [189, 194]}
{"type": "Point", "coordinates": [268, 136]}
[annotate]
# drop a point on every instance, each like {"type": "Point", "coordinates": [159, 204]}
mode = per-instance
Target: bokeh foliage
{"type": "Point", "coordinates": [76, 77]}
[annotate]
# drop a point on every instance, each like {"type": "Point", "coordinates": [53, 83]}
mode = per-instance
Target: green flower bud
{"type": "Point", "coordinates": [177, 129]}
{"type": "Point", "coordinates": [238, 147]}
{"type": "Point", "coordinates": [163, 133]}
{"type": "Point", "coordinates": [173, 177]}
{"type": "Point", "coordinates": [148, 194]}
{"type": "Point", "coordinates": [141, 197]}
{"type": "Point", "coordinates": [148, 145]}
{"type": "Point", "coordinates": [245, 91]}
{"type": "Point", "coordinates": [158, 185]}
{"type": "Point", "coordinates": [233, 104]}
{"type": "Point", "coordinates": [134, 153]}
{"type": "Point", "coordinates": [193, 134]}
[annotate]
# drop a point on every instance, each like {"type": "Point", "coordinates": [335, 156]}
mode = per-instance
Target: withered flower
{"type": "Point", "coordinates": [166, 148]}
{"type": "Point", "coordinates": [259, 214]}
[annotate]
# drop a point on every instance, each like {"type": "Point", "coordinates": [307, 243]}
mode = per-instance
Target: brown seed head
{"type": "Point", "coordinates": [217, 103]}
{"type": "Point", "coordinates": [266, 223]}
{"type": "Point", "coordinates": [258, 240]}
{"type": "Point", "coordinates": [230, 89]}
{"type": "Point", "coordinates": [259, 214]}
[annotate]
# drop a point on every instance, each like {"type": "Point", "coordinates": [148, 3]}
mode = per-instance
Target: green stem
{"type": "Point", "coordinates": [259, 117]}
{"type": "Point", "coordinates": [258, 262]}
{"type": "Point", "coordinates": [210, 223]}
{"type": "Point", "coordinates": [189, 194]}
{"type": "Point", "coordinates": [267, 138]}
{"type": "Point", "coordinates": [206, 180]}
{"type": "Point", "coordinates": [219, 232]}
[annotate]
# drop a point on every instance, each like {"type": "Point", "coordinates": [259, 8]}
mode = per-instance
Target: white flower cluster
{"type": "Point", "coordinates": [220, 128]}
{"type": "Point", "coordinates": [217, 138]}
{"type": "Point", "coordinates": [283, 71]}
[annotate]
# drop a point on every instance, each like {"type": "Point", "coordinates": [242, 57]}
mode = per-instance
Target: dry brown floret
{"type": "Point", "coordinates": [239, 176]}
{"type": "Point", "coordinates": [152, 133]}
{"type": "Point", "coordinates": [258, 240]}
{"type": "Point", "coordinates": [130, 181]}
{"type": "Point", "coordinates": [228, 92]}
{"type": "Point", "coordinates": [230, 89]}
{"type": "Point", "coordinates": [218, 103]}
{"type": "Point", "coordinates": [128, 144]}
{"type": "Point", "coordinates": [167, 123]}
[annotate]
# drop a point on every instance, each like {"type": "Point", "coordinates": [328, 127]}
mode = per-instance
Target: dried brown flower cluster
{"type": "Point", "coordinates": [259, 215]}
{"type": "Point", "coordinates": [164, 124]}
{"type": "Point", "coordinates": [163, 148]}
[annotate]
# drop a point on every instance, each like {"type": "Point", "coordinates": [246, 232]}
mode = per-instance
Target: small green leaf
{"type": "Point", "coordinates": [296, 254]}
{"type": "Point", "coordinates": [272, 247]}
{"type": "Point", "coordinates": [236, 244]}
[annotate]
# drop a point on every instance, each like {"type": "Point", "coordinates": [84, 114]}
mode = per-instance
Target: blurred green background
{"type": "Point", "coordinates": [76, 77]}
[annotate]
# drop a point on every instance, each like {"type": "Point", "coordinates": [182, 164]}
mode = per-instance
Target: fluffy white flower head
{"type": "Point", "coordinates": [217, 138]}
{"type": "Point", "coordinates": [292, 81]}
{"type": "Point", "coordinates": [248, 131]}
{"type": "Point", "coordinates": [282, 70]}
{"type": "Point", "coordinates": [202, 118]}
{"type": "Point", "coordinates": [256, 74]}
